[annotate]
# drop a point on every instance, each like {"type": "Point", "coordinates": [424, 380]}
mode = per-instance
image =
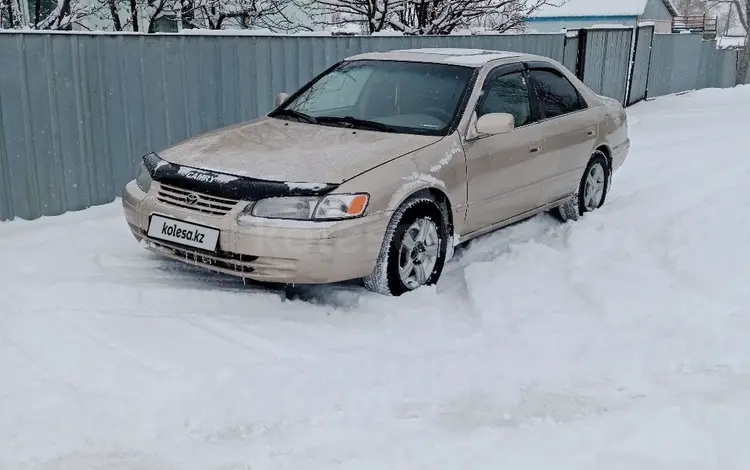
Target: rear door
{"type": "Point", "coordinates": [569, 126]}
{"type": "Point", "coordinates": [504, 171]}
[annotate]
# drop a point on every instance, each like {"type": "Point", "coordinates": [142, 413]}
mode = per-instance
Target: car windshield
{"type": "Point", "coordinates": [391, 96]}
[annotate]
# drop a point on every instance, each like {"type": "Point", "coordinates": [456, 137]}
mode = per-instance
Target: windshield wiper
{"type": "Point", "coordinates": [356, 123]}
{"type": "Point", "coordinates": [294, 114]}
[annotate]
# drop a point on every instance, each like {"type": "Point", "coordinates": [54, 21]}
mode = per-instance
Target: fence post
{"type": "Point", "coordinates": [581, 58]}
{"type": "Point", "coordinates": [6, 203]}
{"type": "Point", "coordinates": [631, 66]}
{"type": "Point", "coordinates": [650, 60]}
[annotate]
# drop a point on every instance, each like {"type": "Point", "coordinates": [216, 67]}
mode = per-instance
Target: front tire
{"type": "Point", "coordinates": [414, 248]}
{"type": "Point", "coordinates": [592, 189]}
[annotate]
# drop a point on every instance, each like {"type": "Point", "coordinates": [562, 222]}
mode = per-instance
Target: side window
{"type": "Point", "coordinates": [556, 95]}
{"type": "Point", "coordinates": [506, 94]}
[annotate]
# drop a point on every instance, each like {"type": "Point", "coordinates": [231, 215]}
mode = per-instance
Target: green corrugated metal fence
{"type": "Point", "coordinates": [79, 111]}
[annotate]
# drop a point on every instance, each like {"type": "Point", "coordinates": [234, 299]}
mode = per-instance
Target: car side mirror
{"type": "Point", "coordinates": [280, 98]}
{"type": "Point", "coordinates": [495, 123]}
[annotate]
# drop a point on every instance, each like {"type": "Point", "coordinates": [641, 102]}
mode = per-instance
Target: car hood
{"type": "Point", "coordinates": [279, 150]}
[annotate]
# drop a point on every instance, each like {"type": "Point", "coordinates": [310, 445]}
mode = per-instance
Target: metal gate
{"type": "Point", "coordinates": [639, 70]}
{"type": "Point", "coordinates": [606, 61]}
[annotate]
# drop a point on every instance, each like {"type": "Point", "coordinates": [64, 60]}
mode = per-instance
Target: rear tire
{"type": "Point", "coordinates": [592, 189]}
{"type": "Point", "coordinates": [414, 248]}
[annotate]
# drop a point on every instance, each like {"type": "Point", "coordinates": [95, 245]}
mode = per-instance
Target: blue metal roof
{"type": "Point", "coordinates": [550, 19]}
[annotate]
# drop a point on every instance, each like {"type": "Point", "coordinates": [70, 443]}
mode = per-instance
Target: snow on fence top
{"type": "Point", "coordinates": [597, 8]}
{"type": "Point", "coordinates": [253, 32]}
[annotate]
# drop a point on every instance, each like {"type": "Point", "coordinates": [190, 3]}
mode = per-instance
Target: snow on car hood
{"type": "Point", "coordinates": [279, 150]}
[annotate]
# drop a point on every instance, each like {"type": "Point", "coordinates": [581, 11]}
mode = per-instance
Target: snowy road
{"type": "Point", "coordinates": [621, 341]}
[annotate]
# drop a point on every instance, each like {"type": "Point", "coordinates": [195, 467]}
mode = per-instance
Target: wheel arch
{"type": "Point", "coordinates": [604, 148]}
{"type": "Point", "coordinates": [437, 203]}
{"type": "Point", "coordinates": [434, 192]}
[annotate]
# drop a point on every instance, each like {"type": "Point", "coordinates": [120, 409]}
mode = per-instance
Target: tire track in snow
{"type": "Point", "coordinates": [261, 348]}
{"type": "Point", "coordinates": [480, 409]}
{"type": "Point", "coordinates": [124, 353]}
{"type": "Point", "coordinates": [36, 362]}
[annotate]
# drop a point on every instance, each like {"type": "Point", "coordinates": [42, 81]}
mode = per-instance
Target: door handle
{"type": "Point", "coordinates": [535, 148]}
{"type": "Point", "coordinates": [591, 131]}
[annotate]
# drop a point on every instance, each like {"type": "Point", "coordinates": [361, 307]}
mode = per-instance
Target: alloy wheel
{"type": "Point", "coordinates": [419, 253]}
{"type": "Point", "coordinates": [594, 188]}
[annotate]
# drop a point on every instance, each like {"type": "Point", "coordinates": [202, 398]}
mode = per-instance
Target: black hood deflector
{"type": "Point", "coordinates": [226, 185]}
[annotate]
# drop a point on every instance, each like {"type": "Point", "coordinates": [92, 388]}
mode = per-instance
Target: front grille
{"type": "Point", "coordinates": [220, 259]}
{"type": "Point", "coordinates": [197, 202]}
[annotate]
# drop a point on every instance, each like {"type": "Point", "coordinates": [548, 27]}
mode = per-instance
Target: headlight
{"type": "Point", "coordinates": [299, 208]}
{"type": "Point", "coordinates": [143, 179]}
{"type": "Point", "coordinates": [341, 206]}
{"type": "Point", "coordinates": [332, 207]}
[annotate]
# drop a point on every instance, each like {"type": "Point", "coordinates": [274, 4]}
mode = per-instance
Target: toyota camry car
{"type": "Point", "coordinates": [378, 167]}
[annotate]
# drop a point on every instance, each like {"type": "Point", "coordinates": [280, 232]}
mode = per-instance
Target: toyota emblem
{"type": "Point", "coordinates": [191, 199]}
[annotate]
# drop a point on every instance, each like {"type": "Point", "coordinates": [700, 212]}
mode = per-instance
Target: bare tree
{"type": "Point", "coordinates": [743, 9]}
{"type": "Point", "coordinates": [693, 7]}
{"type": "Point", "coordinates": [445, 16]}
{"type": "Point", "coordinates": [10, 15]}
{"type": "Point", "coordinates": [372, 15]}
{"type": "Point", "coordinates": [720, 9]}
{"type": "Point", "coordinates": [46, 15]}
{"type": "Point", "coordinates": [511, 15]}
{"type": "Point", "coordinates": [270, 14]}
{"type": "Point", "coordinates": [145, 15]}
{"type": "Point", "coordinates": [424, 17]}
{"type": "Point", "coordinates": [136, 15]}
{"type": "Point", "coordinates": [430, 17]}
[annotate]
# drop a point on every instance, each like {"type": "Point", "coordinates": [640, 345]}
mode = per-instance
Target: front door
{"type": "Point", "coordinates": [504, 171]}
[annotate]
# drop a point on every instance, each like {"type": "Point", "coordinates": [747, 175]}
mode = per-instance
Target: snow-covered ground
{"type": "Point", "coordinates": [621, 341]}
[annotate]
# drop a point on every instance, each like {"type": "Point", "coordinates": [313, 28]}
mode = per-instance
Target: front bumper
{"type": "Point", "coordinates": [283, 251]}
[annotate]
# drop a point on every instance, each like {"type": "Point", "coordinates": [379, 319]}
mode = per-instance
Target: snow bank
{"type": "Point", "coordinates": [616, 342]}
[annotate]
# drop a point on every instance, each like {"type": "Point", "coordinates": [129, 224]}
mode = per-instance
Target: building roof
{"type": "Point", "coordinates": [464, 57]}
{"type": "Point", "coordinates": [598, 8]}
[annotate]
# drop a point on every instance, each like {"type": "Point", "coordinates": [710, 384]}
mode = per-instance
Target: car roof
{"type": "Point", "coordinates": [455, 56]}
